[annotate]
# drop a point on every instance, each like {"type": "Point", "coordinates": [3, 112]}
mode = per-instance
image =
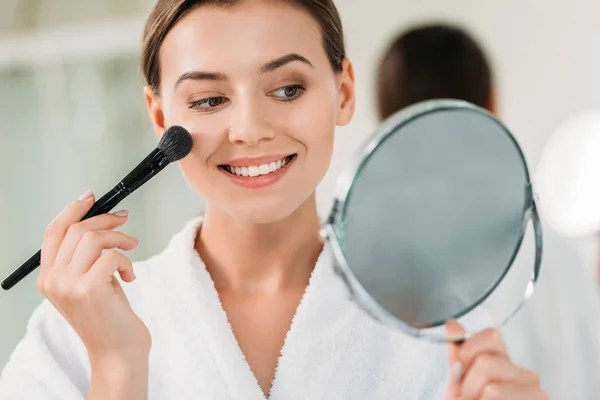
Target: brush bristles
{"type": "Point", "coordinates": [176, 143]}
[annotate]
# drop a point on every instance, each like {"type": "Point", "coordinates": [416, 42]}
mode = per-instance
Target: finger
{"type": "Point", "coordinates": [92, 246]}
{"type": "Point", "coordinates": [57, 229]}
{"type": "Point", "coordinates": [454, 330]}
{"type": "Point", "coordinates": [100, 281]}
{"type": "Point", "coordinates": [76, 231]}
{"type": "Point", "coordinates": [111, 261]}
{"type": "Point", "coordinates": [486, 341]}
{"type": "Point", "coordinates": [490, 368]}
{"type": "Point", "coordinates": [512, 391]}
{"type": "Point", "coordinates": [119, 289]}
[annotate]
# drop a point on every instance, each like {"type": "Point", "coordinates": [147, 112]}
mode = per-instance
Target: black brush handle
{"type": "Point", "coordinates": [101, 206]}
{"type": "Point", "coordinates": [28, 267]}
{"type": "Point", "coordinates": [148, 168]}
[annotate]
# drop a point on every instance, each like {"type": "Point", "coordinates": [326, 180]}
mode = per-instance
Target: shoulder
{"type": "Point", "coordinates": [49, 330]}
{"type": "Point", "coordinates": [49, 360]}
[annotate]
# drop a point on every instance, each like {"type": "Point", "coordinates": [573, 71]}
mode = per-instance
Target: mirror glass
{"type": "Point", "coordinates": [432, 216]}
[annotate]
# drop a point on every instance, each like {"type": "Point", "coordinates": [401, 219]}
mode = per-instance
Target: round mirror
{"type": "Point", "coordinates": [429, 219]}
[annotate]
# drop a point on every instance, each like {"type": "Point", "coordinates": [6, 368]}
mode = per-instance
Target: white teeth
{"type": "Point", "coordinates": [263, 169]}
{"type": "Point", "coordinates": [253, 171]}
{"type": "Point", "coordinates": [256, 170]}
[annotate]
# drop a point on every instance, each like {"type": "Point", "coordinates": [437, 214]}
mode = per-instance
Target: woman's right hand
{"type": "Point", "coordinates": [77, 275]}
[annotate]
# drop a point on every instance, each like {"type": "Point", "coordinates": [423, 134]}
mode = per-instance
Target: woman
{"type": "Point", "coordinates": [243, 304]}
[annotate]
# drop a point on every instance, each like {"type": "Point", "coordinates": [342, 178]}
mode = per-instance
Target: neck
{"type": "Point", "coordinates": [253, 258]}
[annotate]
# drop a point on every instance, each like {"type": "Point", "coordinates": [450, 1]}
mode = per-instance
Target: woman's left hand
{"type": "Point", "coordinates": [480, 369]}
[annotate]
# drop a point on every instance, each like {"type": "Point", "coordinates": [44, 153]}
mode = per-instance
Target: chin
{"type": "Point", "coordinates": [263, 210]}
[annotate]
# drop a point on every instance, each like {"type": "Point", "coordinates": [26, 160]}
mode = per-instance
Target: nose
{"type": "Point", "coordinates": [249, 124]}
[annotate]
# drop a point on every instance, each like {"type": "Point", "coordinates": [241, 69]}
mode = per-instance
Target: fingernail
{"type": "Point", "coordinates": [86, 195]}
{"type": "Point", "coordinates": [457, 371]}
{"type": "Point", "coordinates": [122, 213]}
{"type": "Point", "coordinates": [135, 239]}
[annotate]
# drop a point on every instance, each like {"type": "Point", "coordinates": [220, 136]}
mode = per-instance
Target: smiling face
{"type": "Point", "coordinates": [253, 85]}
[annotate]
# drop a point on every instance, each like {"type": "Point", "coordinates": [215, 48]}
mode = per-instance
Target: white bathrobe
{"type": "Point", "coordinates": [332, 351]}
{"type": "Point", "coordinates": [557, 333]}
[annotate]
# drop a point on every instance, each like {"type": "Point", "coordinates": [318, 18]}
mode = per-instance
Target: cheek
{"type": "Point", "coordinates": [195, 170]}
{"type": "Point", "coordinates": [207, 133]}
{"type": "Point", "coordinates": [196, 166]}
{"type": "Point", "coordinates": [315, 128]}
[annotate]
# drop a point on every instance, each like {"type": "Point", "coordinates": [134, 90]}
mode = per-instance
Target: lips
{"type": "Point", "coordinates": [257, 173]}
{"type": "Point", "coordinates": [258, 168]}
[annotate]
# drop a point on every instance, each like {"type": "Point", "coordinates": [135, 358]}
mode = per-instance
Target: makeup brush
{"type": "Point", "coordinates": [175, 144]}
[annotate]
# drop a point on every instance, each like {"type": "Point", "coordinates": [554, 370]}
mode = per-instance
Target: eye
{"type": "Point", "coordinates": [288, 93]}
{"type": "Point", "coordinates": [208, 104]}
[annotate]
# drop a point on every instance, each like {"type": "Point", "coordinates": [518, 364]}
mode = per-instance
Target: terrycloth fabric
{"type": "Point", "coordinates": [332, 351]}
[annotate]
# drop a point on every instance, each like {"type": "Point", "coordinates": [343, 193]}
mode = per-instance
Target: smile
{"type": "Point", "coordinates": [258, 170]}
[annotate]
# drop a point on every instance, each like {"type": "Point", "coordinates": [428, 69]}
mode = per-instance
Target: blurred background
{"type": "Point", "coordinates": [72, 112]}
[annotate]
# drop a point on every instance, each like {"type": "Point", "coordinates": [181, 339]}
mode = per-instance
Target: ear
{"type": "Point", "coordinates": [347, 93]}
{"type": "Point", "coordinates": [155, 111]}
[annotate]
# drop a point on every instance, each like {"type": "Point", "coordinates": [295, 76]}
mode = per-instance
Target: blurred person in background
{"type": "Point", "coordinates": [433, 62]}
{"type": "Point", "coordinates": [557, 332]}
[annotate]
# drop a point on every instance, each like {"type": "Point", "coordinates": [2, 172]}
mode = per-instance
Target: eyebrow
{"type": "Point", "coordinates": [201, 76]}
{"type": "Point", "coordinates": [281, 61]}
{"type": "Point", "coordinates": [268, 67]}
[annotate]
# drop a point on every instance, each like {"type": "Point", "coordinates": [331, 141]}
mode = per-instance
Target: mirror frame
{"type": "Point", "coordinates": [333, 228]}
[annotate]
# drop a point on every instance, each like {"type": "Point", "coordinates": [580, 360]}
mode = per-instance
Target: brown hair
{"type": "Point", "coordinates": [429, 62]}
{"type": "Point", "coordinates": [166, 13]}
